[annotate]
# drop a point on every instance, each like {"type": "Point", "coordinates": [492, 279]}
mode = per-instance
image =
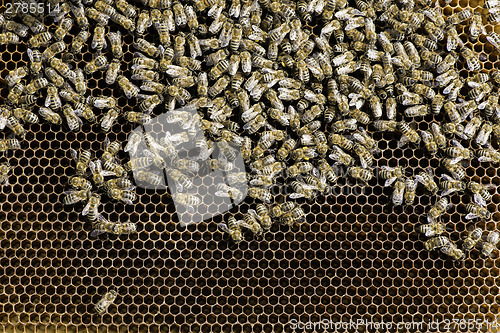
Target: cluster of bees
{"type": "Point", "coordinates": [87, 185]}
{"type": "Point", "coordinates": [299, 103]}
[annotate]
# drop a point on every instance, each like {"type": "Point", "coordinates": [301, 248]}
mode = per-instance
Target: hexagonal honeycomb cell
{"type": "Point", "coordinates": [354, 258]}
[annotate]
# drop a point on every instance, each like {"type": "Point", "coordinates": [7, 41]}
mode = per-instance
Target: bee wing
{"type": "Point", "coordinates": [479, 200]}
{"type": "Point", "coordinates": [389, 181]}
{"type": "Point", "coordinates": [86, 209]}
{"type": "Point", "coordinates": [403, 141]}
{"type": "Point", "coordinates": [446, 192]}
{"type": "Point", "coordinates": [224, 194]}
{"type": "Point", "coordinates": [471, 216]}
{"type": "Point", "coordinates": [364, 163]}
{"type": "Point", "coordinates": [73, 153]}
{"type": "Point", "coordinates": [223, 227]}
{"type": "Point", "coordinates": [447, 177]}
{"type": "Point", "coordinates": [456, 143]}
{"type": "Point", "coordinates": [296, 195]}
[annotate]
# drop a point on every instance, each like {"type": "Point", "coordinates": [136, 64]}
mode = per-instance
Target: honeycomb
{"type": "Point", "coordinates": [356, 257]}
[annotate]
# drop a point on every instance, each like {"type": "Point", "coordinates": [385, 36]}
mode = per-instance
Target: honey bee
{"type": "Point", "coordinates": [476, 211]}
{"type": "Point", "coordinates": [119, 183]}
{"type": "Point", "coordinates": [450, 185]}
{"type": "Point", "coordinates": [74, 196]}
{"type": "Point", "coordinates": [431, 229]}
{"type": "Point", "coordinates": [130, 90]}
{"type": "Point", "coordinates": [36, 85]}
{"type": "Point", "coordinates": [344, 125]}
{"type": "Point", "coordinates": [80, 183]}
{"type": "Point", "coordinates": [5, 169]}
{"type": "Point", "coordinates": [73, 121]}
{"type": "Point", "coordinates": [438, 209]}
{"type": "Point", "coordinates": [9, 38]}
{"type": "Point", "coordinates": [144, 46]}
{"type": "Point", "coordinates": [15, 93]}
{"type": "Point", "coordinates": [233, 229]}
{"type": "Point", "coordinates": [408, 134]}
{"type": "Point", "coordinates": [102, 225]}
{"type": "Point", "coordinates": [16, 127]}
{"type": "Point", "coordinates": [102, 306]}
{"type": "Point", "coordinates": [6, 144]}
{"type": "Point", "coordinates": [295, 216]}
{"type": "Point", "coordinates": [472, 239]}
{"type": "Point", "coordinates": [490, 244]}
{"type": "Point", "coordinates": [385, 125]}
{"type": "Point", "coordinates": [35, 25]}
{"type": "Point", "coordinates": [471, 59]}
{"type": "Point", "coordinates": [63, 28]}
{"type": "Point", "coordinates": [436, 243]}
{"type": "Point", "coordinates": [452, 251]}
{"type": "Point", "coordinates": [488, 155]}
{"type": "Point", "coordinates": [25, 115]}
{"type": "Point", "coordinates": [480, 192]}
{"type": "Point", "coordinates": [109, 118]}
{"type": "Point", "coordinates": [16, 75]}
{"type": "Point", "coordinates": [96, 64]}
{"type": "Point", "coordinates": [35, 41]}
{"type": "Point", "coordinates": [391, 174]}
{"type": "Point", "coordinates": [147, 105]}
{"type": "Point", "coordinates": [62, 68]}
{"type": "Point", "coordinates": [115, 168]}
{"type": "Point", "coordinates": [439, 138]}
{"type": "Point", "coordinates": [360, 173]}
{"type": "Point", "coordinates": [92, 207]}
{"type": "Point", "coordinates": [430, 142]}
{"type": "Point", "coordinates": [35, 58]}
{"type": "Point", "coordinates": [50, 116]}
{"type": "Point", "coordinates": [125, 196]}
{"type": "Point", "coordinates": [427, 179]}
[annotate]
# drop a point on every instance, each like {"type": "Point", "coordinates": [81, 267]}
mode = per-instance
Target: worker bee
{"type": "Point", "coordinates": [488, 155]}
{"type": "Point", "coordinates": [5, 169]}
{"type": "Point", "coordinates": [295, 216]}
{"type": "Point", "coordinates": [452, 251]}
{"type": "Point", "coordinates": [450, 185]}
{"type": "Point", "coordinates": [429, 141]}
{"type": "Point", "coordinates": [24, 115]}
{"type": "Point", "coordinates": [63, 68]}
{"type": "Point", "coordinates": [35, 41]}
{"type": "Point", "coordinates": [490, 244]}
{"type": "Point", "coordinates": [16, 127]}
{"type": "Point", "coordinates": [116, 168]}
{"type": "Point", "coordinates": [36, 85]}
{"type": "Point", "coordinates": [102, 306]}
{"type": "Point", "coordinates": [92, 207]}
{"type": "Point", "coordinates": [344, 125]}
{"type": "Point", "coordinates": [480, 192]}
{"type": "Point", "coordinates": [73, 121]}
{"type": "Point", "coordinates": [385, 125]}
{"type": "Point", "coordinates": [82, 161]}
{"type": "Point", "coordinates": [35, 25]}
{"type": "Point", "coordinates": [125, 196]}
{"type": "Point", "coordinates": [80, 183]}
{"type": "Point", "coordinates": [408, 134]}
{"type": "Point", "coordinates": [476, 211]}
{"type": "Point", "coordinates": [16, 75]}
{"type": "Point", "coordinates": [63, 28]}
{"type": "Point", "coordinates": [438, 209]}
{"type": "Point", "coordinates": [15, 93]}
{"type": "Point", "coordinates": [390, 174]}
{"type": "Point", "coordinates": [96, 64]}
{"type": "Point", "coordinates": [109, 118]}
{"type": "Point", "coordinates": [35, 58]}
{"type": "Point", "coordinates": [439, 138]}
{"type": "Point", "coordinates": [427, 179]}
{"type": "Point", "coordinates": [74, 196]}
{"type": "Point", "coordinates": [398, 192]}
{"type": "Point", "coordinates": [119, 183]}
{"type": "Point", "coordinates": [364, 155]}
{"type": "Point", "coordinates": [471, 59]}
{"type": "Point", "coordinates": [360, 173]}
{"type": "Point", "coordinates": [102, 225]}
{"type": "Point", "coordinates": [50, 116]}
{"type": "Point", "coordinates": [130, 89]}
{"type": "Point", "coordinates": [144, 46]}
{"type": "Point", "coordinates": [9, 38]}
{"type": "Point", "coordinates": [436, 243]}
{"type": "Point", "coordinates": [472, 239]}
{"type": "Point", "coordinates": [233, 229]}
{"type": "Point", "coordinates": [6, 144]}
{"type": "Point", "coordinates": [431, 229]}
